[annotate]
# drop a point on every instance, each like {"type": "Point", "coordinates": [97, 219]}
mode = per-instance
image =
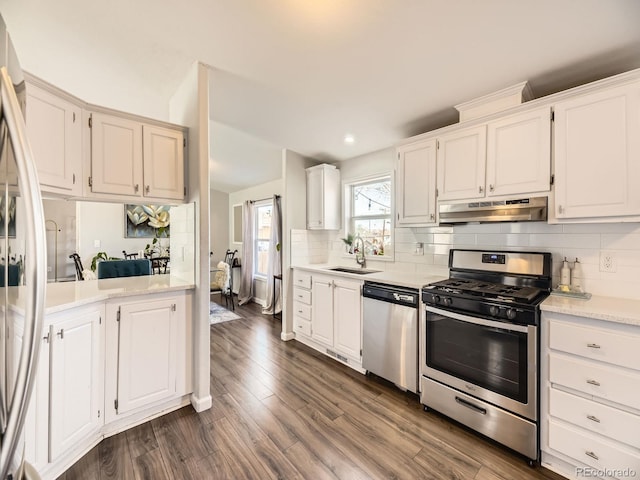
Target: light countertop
{"type": "Point", "coordinates": [65, 295]}
{"type": "Point", "coordinates": [402, 279]}
{"type": "Point", "coordinates": [620, 310]}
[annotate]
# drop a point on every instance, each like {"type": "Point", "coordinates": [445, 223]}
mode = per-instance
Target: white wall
{"type": "Point", "coordinates": [220, 224]}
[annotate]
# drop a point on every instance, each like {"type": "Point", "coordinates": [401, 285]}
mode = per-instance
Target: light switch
{"type": "Point", "coordinates": [96, 243]}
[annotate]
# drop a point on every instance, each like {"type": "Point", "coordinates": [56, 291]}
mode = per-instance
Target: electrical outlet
{"type": "Point", "coordinates": [607, 262]}
{"type": "Point", "coordinates": [96, 244]}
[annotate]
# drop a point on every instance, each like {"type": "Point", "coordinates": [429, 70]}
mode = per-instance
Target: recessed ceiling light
{"type": "Point", "coordinates": [349, 139]}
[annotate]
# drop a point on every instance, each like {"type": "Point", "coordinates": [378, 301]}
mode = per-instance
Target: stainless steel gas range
{"type": "Point", "coordinates": [479, 344]}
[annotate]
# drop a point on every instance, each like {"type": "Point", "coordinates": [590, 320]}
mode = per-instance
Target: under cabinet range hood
{"type": "Point", "coordinates": [513, 210]}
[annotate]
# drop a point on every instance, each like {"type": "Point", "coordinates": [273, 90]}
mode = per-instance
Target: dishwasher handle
{"type": "Point", "coordinates": [386, 293]}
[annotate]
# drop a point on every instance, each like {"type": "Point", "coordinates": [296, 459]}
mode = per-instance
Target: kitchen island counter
{"type": "Point", "coordinates": [65, 295]}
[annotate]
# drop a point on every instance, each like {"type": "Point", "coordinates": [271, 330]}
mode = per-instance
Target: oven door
{"type": "Point", "coordinates": [491, 360]}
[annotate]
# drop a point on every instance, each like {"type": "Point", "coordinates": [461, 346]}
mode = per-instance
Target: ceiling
{"type": "Point", "coordinates": [300, 74]}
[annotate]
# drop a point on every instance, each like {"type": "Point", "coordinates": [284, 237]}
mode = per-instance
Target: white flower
{"type": "Point", "coordinates": [137, 215]}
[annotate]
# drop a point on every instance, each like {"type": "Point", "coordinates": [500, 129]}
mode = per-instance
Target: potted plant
{"type": "Point", "coordinates": [348, 241]}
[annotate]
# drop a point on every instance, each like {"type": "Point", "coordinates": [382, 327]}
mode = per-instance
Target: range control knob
{"type": "Point", "coordinates": [511, 313]}
{"type": "Point", "coordinates": [494, 311]}
{"type": "Point", "coordinates": [435, 298]}
{"type": "Point", "coordinates": [446, 301]}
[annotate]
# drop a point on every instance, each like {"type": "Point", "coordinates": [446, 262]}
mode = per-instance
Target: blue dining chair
{"type": "Point", "coordinates": [124, 268]}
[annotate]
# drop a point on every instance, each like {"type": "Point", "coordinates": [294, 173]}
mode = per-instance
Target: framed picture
{"type": "Point", "coordinates": [11, 226]}
{"type": "Point", "coordinates": [147, 221]}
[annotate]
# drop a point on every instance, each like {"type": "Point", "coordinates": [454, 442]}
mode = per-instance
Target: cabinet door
{"type": "Point", "coordinates": [36, 424]}
{"type": "Point", "coordinates": [347, 313]}
{"type": "Point", "coordinates": [416, 184]}
{"type": "Point", "coordinates": [55, 136]}
{"type": "Point", "coordinates": [147, 353]}
{"type": "Point", "coordinates": [322, 309]}
{"type": "Point", "coordinates": [76, 379]}
{"type": "Point", "coordinates": [116, 155]}
{"type": "Point", "coordinates": [597, 154]}
{"type": "Point", "coordinates": [163, 162]}
{"type": "Point", "coordinates": [315, 202]}
{"type": "Point", "coordinates": [519, 153]}
{"type": "Point", "coordinates": [461, 164]}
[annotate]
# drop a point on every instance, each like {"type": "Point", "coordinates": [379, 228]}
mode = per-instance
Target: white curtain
{"type": "Point", "coordinates": [245, 292]}
{"type": "Point", "coordinates": [274, 266]}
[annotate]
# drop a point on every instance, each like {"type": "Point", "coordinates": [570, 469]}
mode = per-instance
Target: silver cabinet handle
{"type": "Point", "coordinates": [146, 189]}
{"type": "Point", "coordinates": [34, 274]}
{"type": "Point", "coordinates": [592, 455]}
{"type": "Point", "coordinates": [593, 382]}
{"type": "Point", "coordinates": [560, 209]}
{"type": "Point", "coordinates": [432, 216]}
{"type": "Point", "coordinates": [61, 334]}
{"type": "Point", "coordinates": [480, 189]}
{"type": "Point", "coordinates": [593, 345]}
{"type": "Point", "coordinates": [593, 419]}
{"type": "Point", "coordinates": [491, 188]}
{"type": "Point", "coordinates": [136, 188]}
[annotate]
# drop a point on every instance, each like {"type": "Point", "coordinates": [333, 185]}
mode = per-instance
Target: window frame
{"type": "Point", "coordinates": [257, 239]}
{"type": "Point", "coordinates": [349, 217]}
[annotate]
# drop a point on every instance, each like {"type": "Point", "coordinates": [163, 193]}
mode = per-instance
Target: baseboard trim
{"type": "Point", "coordinates": [287, 336]}
{"type": "Point", "coordinates": [200, 404]}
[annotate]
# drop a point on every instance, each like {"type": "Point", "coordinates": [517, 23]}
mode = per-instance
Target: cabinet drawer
{"type": "Point", "coordinates": [590, 449]}
{"type": "Point", "coordinates": [302, 296]}
{"type": "Point", "coordinates": [595, 379]}
{"type": "Point", "coordinates": [301, 279]}
{"type": "Point", "coordinates": [598, 418]}
{"type": "Point", "coordinates": [596, 343]}
{"type": "Point", "coordinates": [302, 310]}
{"type": "Point", "coordinates": [300, 325]}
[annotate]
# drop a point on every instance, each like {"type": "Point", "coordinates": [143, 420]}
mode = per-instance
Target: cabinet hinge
{"type": "Point", "coordinates": [360, 352]}
{"type": "Point", "coordinates": [185, 191]}
{"type": "Point", "coordinates": [437, 144]}
{"type": "Point", "coordinates": [100, 320]}
{"type": "Point", "coordinates": [398, 155]}
{"type": "Point", "coordinates": [115, 404]}
{"type": "Point", "coordinates": [74, 117]}
{"type": "Point", "coordinates": [184, 142]}
{"type": "Point", "coordinates": [90, 122]}
{"type": "Point", "coordinates": [437, 193]}
{"type": "Point", "coordinates": [74, 178]}
{"type": "Point", "coordinates": [552, 179]}
{"type": "Point", "coordinates": [553, 116]}
{"type": "Point", "coordinates": [118, 315]}
{"type": "Point", "coordinates": [98, 413]}
{"type": "Point", "coordinates": [173, 307]}
{"type": "Point", "coordinates": [90, 181]}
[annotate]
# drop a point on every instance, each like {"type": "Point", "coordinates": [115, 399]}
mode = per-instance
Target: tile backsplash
{"type": "Point", "coordinates": [583, 241]}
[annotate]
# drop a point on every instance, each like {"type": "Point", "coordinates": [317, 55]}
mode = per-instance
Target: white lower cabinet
{"type": "Point", "coordinates": [146, 349]}
{"type": "Point", "coordinates": [589, 408]}
{"type": "Point", "coordinates": [100, 372]}
{"type": "Point", "coordinates": [335, 326]}
{"type": "Point", "coordinates": [76, 379]}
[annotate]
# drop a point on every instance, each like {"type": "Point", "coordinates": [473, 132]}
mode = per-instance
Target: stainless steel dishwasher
{"type": "Point", "coordinates": [390, 333]}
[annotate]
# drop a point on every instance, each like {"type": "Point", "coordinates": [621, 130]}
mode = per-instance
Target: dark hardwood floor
{"type": "Point", "coordinates": [282, 410]}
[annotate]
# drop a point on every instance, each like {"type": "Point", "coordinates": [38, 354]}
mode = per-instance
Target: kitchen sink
{"type": "Point", "coordinates": [358, 271]}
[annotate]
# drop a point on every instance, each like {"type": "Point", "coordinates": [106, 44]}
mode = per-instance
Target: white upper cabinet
{"type": "Point", "coordinates": [323, 197]}
{"type": "Point", "coordinates": [519, 153]}
{"type": "Point", "coordinates": [461, 162]}
{"type": "Point", "coordinates": [132, 159]}
{"type": "Point", "coordinates": [55, 135]}
{"type": "Point", "coordinates": [507, 156]}
{"type": "Point", "coordinates": [163, 162]}
{"type": "Point", "coordinates": [116, 155]}
{"type": "Point", "coordinates": [416, 184]}
{"type": "Point", "coordinates": [597, 154]}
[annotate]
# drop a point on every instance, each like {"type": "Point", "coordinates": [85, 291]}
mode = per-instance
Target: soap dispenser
{"type": "Point", "coordinates": [565, 273]}
{"type": "Point", "coordinates": [576, 277]}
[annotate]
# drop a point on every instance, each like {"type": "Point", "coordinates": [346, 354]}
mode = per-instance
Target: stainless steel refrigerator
{"type": "Point", "coordinates": [22, 265]}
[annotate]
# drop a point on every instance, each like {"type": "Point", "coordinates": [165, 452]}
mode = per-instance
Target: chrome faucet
{"type": "Point", "coordinates": [359, 250]}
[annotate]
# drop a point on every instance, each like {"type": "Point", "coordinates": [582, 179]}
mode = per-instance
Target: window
{"type": "Point", "coordinates": [262, 239]}
{"type": "Point", "coordinates": [370, 215]}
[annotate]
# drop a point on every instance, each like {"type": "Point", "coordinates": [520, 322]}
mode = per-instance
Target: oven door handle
{"type": "Point", "coordinates": [475, 408]}
{"type": "Point", "coordinates": [480, 321]}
